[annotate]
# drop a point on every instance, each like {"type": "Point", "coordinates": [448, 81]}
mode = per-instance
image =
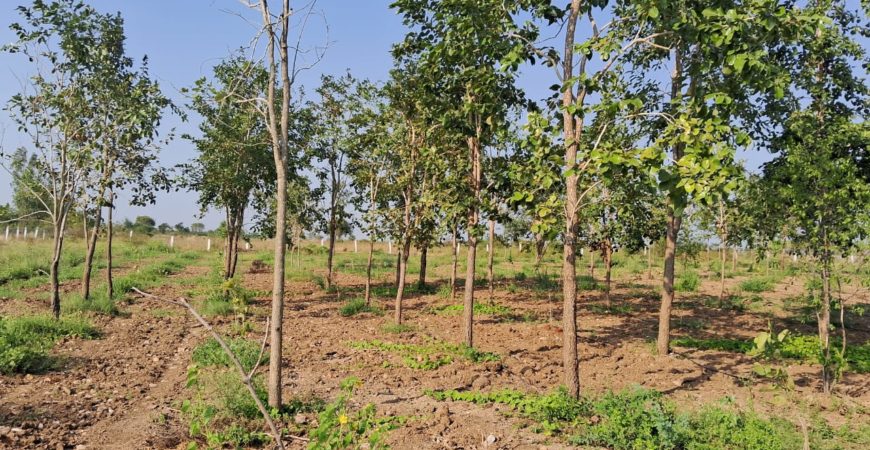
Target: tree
{"type": "Point", "coordinates": [144, 225]}
{"type": "Point", "coordinates": [819, 184]}
{"type": "Point", "coordinates": [460, 46]}
{"type": "Point", "coordinates": [722, 68]}
{"type": "Point", "coordinates": [55, 115]}
{"type": "Point", "coordinates": [233, 160]}
{"type": "Point", "coordinates": [125, 109]}
{"type": "Point", "coordinates": [373, 142]}
{"type": "Point", "coordinates": [276, 113]}
{"type": "Point", "coordinates": [334, 145]}
{"type": "Point", "coordinates": [195, 228]}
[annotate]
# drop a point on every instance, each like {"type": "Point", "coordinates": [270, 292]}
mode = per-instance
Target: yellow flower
{"type": "Point", "coordinates": [342, 419]}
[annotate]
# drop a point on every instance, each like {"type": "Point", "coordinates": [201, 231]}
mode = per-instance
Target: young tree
{"type": "Point", "coordinates": [721, 64]}
{"type": "Point", "coordinates": [56, 114]}
{"type": "Point", "coordinates": [340, 102]}
{"type": "Point", "coordinates": [819, 184]}
{"type": "Point", "coordinates": [233, 161]}
{"type": "Point", "coordinates": [126, 107]}
{"type": "Point", "coordinates": [459, 46]}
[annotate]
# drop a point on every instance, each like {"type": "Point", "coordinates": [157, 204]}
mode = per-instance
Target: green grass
{"type": "Point", "coordinates": [358, 306]}
{"type": "Point", "coordinates": [639, 419]}
{"type": "Point", "coordinates": [428, 356]}
{"type": "Point", "coordinates": [210, 353]}
{"type": "Point", "coordinates": [797, 347]}
{"type": "Point", "coordinates": [757, 285]}
{"type": "Point", "coordinates": [491, 309]}
{"type": "Point", "coordinates": [586, 283]}
{"type": "Point", "coordinates": [25, 342]}
{"type": "Point", "coordinates": [687, 282]}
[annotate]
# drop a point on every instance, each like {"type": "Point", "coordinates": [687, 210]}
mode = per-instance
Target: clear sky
{"type": "Point", "coordinates": [184, 39]}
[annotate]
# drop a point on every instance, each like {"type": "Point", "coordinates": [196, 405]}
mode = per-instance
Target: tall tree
{"type": "Point", "coordinates": [460, 46]}
{"type": "Point", "coordinates": [721, 65]}
{"type": "Point", "coordinates": [233, 161]}
{"type": "Point", "coordinates": [819, 184]}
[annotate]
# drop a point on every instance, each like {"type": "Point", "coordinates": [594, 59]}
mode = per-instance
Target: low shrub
{"type": "Point", "coordinates": [757, 285]}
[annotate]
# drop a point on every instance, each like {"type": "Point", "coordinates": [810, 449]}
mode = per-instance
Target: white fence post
{"type": "Point", "coordinates": [17, 231]}
{"type": "Point", "coordinates": [355, 247]}
{"type": "Point", "coordinates": [390, 247]}
{"type": "Point", "coordinates": [208, 245]}
{"type": "Point", "coordinates": [7, 232]}
{"type": "Point", "coordinates": [172, 241]}
{"type": "Point", "coordinates": [131, 234]}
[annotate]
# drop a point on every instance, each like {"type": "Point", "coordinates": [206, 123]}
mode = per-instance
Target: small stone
{"type": "Point", "coordinates": [491, 439]}
{"type": "Point", "coordinates": [300, 419]}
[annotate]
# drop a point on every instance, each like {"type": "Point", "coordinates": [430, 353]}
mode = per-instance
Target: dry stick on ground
{"type": "Point", "coordinates": [246, 377]}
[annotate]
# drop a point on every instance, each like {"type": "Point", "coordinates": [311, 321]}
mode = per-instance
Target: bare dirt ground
{"type": "Point", "coordinates": [122, 391]}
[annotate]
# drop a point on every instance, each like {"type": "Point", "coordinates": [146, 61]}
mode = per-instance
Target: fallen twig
{"type": "Point", "coordinates": [246, 377]}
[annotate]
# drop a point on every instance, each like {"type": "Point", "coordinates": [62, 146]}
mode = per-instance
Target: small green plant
{"type": "Point", "coordinates": [358, 306]}
{"type": "Point", "coordinates": [519, 277]}
{"type": "Point", "coordinates": [688, 281]}
{"type": "Point", "coordinates": [757, 285]}
{"type": "Point", "coordinates": [444, 291]}
{"type": "Point", "coordinates": [339, 427]}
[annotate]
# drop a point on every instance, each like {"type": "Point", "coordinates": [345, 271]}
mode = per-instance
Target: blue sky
{"type": "Point", "coordinates": [185, 39]}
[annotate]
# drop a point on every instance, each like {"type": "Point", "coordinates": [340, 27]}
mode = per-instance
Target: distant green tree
{"type": "Point", "coordinates": [233, 163]}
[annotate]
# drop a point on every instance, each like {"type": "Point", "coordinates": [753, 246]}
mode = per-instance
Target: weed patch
{"type": "Point", "coordinates": [357, 306]}
{"type": "Point", "coordinates": [25, 342]}
{"type": "Point", "coordinates": [428, 356]}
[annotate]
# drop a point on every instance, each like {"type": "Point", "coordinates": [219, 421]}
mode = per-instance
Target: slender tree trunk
{"type": "Point", "coordinates": [649, 261]}
{"type": "Point", "coordinates": [673, 229]}
{"type": "Point", "coordinates": [592, 262]}
{"type": "Point", "coordinates": [398, 267]}
{"type": "Point", "coordinates": [540, 246]}
{"type": "Point", "coordinates": [329, 256]}
{"type": "Point", "coordinates": [404, 252]}
{"type": "Point", "coordinates": [674, 220]}
{"type": "Point", "coordinates": [489, 272]}
{"type": "Point", "coordinates": [57, 247]}
{"type": "Point", "coordinates": [110, 283]}
{"type": "Point", "coordinates": [368, 297]}
{"type": "Point", "coordinates": [473, 220]}
{"type": "Point", "coordinates": [734, 260]}
{"type": "Point", "coordinates": [824, 320]}
{"type": "Point", "coordinates": [89, 255]}
{"type": "Point", "coordinates": [572, 129]}
{"type": "Point", "coordinates": [453, 264]}
{"type": "Point", "coordinates": [608, 265]}
{"type": "Point", "coordinates": [421, 281]}
{"type": "Point", "coordinates": [724, 251]}
{"type": "Point", "coordinates": [280, 154]}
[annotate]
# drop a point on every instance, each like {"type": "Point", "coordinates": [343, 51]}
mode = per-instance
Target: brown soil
{"type": "Point", "coordinates": [122, 391]}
